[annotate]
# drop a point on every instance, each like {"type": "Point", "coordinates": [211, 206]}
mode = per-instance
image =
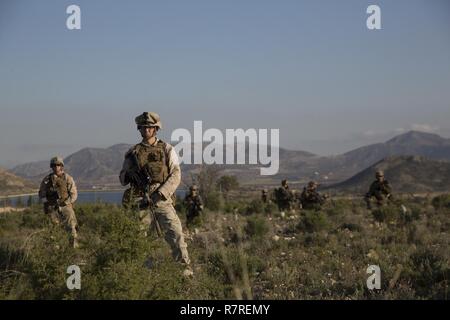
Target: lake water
{"type": "Point", "coordinates": [114, 197]}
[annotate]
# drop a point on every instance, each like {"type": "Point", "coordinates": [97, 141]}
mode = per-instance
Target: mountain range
{"type": "Point", "coordinates": [11, 184]}
{"type": "Point", "coordinates": [410, 174]}
{"type": "Point", "coordinates": [99, 167]}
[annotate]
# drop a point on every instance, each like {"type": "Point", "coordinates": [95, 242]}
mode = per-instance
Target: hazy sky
{"type": "Point", "coordinates": [310, 68]}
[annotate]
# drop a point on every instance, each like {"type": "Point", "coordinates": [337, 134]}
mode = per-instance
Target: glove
{"type": "Point", "coordinates": [156, 197]}
{"type": "Point", "coordinates": [133, 177]}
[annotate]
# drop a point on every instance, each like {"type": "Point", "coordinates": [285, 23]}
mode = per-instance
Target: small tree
{"type": "Point", "coordinates": [227, 183]}
{"type": "Point", "coordinates": [206, 180]}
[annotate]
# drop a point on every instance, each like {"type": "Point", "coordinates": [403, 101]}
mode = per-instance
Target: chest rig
{"type": "Point", "coordinates": [153, 160]}
{"type": "Point", "coordinates": [57, 188]}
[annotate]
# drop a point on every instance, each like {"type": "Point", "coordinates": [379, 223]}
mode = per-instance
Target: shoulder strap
{"type": "Point", "coordinates": [166, 154]}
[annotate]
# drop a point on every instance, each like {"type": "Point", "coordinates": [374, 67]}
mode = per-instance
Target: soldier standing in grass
{"type": "Point", "coordinates": [284, 196]}
{"type": "Point", "coordinates": [380, 189]}
{"type": "Point", "coordinates": [60, 192]}
{"type": "Point", "coordinates": [152, 169]}
{"type": "Point", "coordinates": [310, 198]}
{"type": "Point", "coordinates": [194, 205]}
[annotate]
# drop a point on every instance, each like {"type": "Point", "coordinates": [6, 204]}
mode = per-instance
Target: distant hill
{"type": "Point", "coordinates": [404, 173]}
{"type": "Point", "coordinates": [11, 184]}
{"type": "Point", "coordinates": [101, 166]}
{"type": "Point", "coordinates": [90, 166]}
{"type": "Point", "coordinates": [411, 143]}
{"type": "Point", "coordinates": [31, 170]}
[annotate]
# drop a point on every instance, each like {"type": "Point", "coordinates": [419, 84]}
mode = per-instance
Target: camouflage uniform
{"type": "Point", "coordinates": [310, 198]}
{"type": "Point", "coordinates": [264, 197]}
{"type": "Point", "coordinates": [161, 161]}
{"type": "Point", "coordinates": [284, 197]}
{"type": "Point", "coordinates": [379, 189]}
{"type": "Point", "coordinates": [60, 193]}
{"type": "Point", "coordinates": [194, 204]}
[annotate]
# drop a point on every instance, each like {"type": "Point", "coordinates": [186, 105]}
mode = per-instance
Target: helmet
{"type": "Point", "coordinates": [193, 188]}
{"type": "Point", "coordinates": [56, 160]}
{"type": "Point", "coordinates": [148, 119]}
{"type": "Point", "coordinates": [312, 184]}
{"type": "Point", "coordinates": [379, 173]}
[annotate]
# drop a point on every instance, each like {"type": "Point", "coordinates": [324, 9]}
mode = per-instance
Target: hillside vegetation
{"type": "Point", "coordinates": [241, 250]}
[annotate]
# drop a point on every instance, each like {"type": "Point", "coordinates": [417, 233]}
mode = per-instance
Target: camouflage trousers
{"type": "Point", "coordinates": [191, 215]}
{"type": "Point", "coordinates": [380, 200]}
{"type": "Point", "coordinates": [65, 217]}
{"type": "Point", "coordinates": [171, 226]}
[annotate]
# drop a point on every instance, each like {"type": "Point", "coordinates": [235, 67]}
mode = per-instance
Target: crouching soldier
{"type": "Point", "coordinates": [380, 189]}
{"type": "Point", "coordinates": [60, 192]}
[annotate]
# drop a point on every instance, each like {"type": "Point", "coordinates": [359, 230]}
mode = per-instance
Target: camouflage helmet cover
{"type": "Point", "coordinates": [148, 119]}
{"type": "Point", "coordinates": [379, 173]}
{"type": "Point", "coordinates": [312, 184]}
{"type": "Point", "coordinates": [56, 160]}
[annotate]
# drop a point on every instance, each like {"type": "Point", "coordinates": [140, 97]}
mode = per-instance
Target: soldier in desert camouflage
{"type": "Point", "coordinates": [194, 205]}
{"type": "Point", "coordinates": [158, 163]}
{"type": "Point", "coordinates": [284, 196]}
{"type": "Point", "coordinates": [60, 192]}
{"type": "Point", "coordinates": [264, 196]}
{"type": "Point", "coordinates": [310, 198]}
{"type": "Point", "coordinates": [380, 189]}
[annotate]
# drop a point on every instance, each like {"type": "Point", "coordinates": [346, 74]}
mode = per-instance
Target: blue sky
{"type": "Point", "coordinates": [310, 68]}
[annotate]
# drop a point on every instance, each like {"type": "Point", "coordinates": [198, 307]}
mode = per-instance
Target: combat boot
{"type": "Point", "coordinates": [188, 272]}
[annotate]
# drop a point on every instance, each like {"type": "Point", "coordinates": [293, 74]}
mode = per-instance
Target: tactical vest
{"type": "Point", "coordinates": [57, 186]}
{"type": "Point", "coordinates": [154, 160]}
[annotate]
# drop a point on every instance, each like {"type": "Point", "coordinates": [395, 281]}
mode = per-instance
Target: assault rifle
{"type": "Point", "coordinates": [142, 179]}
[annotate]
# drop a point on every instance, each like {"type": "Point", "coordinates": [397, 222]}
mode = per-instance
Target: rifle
{"type": "Point", "coordinates": [55, 196]}
{"type": "Point", "coordinates": [142, 179]}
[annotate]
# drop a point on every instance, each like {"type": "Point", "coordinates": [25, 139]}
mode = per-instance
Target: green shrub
{"type": "Point", "coordinates": [270, 208]}
{"type": "Point", "coordinates": [313, 221]}
{"type": "Point", "coordinates": [441, 201]}
{"type": "Point", "coordinates": [213, 201]}
{"type": "Point", "coordinates": [386, 214]}
{"type": "Point", "coordinates": [255, 206]}
{"type": "Point", "coordinates": [34, 219]}
{"type": "Point", "coordinates": [256, 227]}
{"type": "Point", "coordinates": [429, 272]}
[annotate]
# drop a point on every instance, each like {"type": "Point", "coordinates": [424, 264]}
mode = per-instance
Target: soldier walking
{"type": "Point", "coordinates": [284, 196]}
{"type": "Point", "coordinates": [60, 192]}
{"type": "Point", "coordinates": [310, 198]}
{"type": "Point", "coordinates": [153, 171]}
{"type": "Point", "coordinates": [264, 196]}
{"type": "Point", "coordinates": [194, 205]}
{"type": "Point", "coordinates": [380, 189]}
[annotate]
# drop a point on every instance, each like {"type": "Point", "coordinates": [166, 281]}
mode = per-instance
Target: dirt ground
{"type": "Point", "coordinates": [9, 209]}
